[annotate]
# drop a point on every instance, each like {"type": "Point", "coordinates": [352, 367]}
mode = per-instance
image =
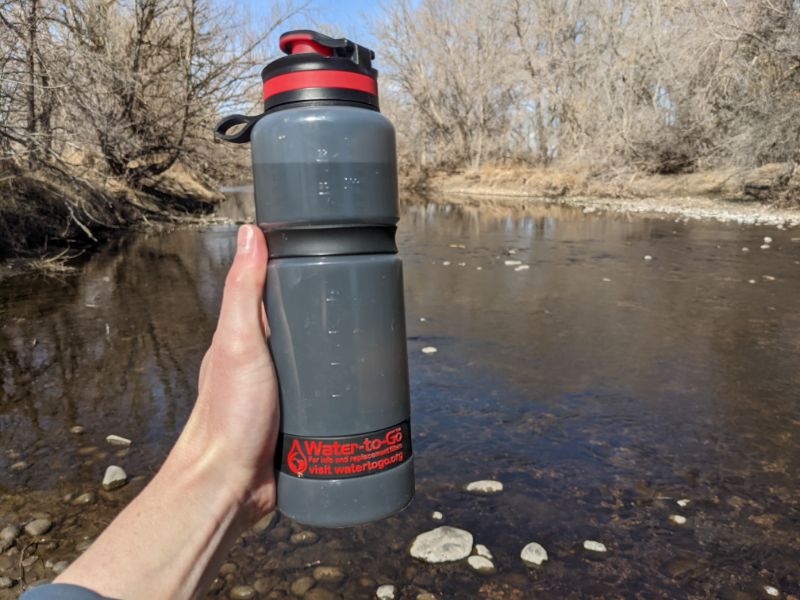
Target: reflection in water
{"type": "Point", "coordinates": [598, 386]}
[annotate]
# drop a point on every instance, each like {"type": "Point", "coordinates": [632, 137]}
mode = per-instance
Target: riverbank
{"type": "Point", "coordinates": [769, 195]}
{"type": "Point", "coordinates": [48, 215]}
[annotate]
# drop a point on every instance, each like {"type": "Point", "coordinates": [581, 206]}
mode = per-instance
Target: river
{"type": "Point", "coordinates": [599, 386]}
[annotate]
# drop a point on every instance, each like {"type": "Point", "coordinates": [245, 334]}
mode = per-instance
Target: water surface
{"type": "Point", "coordinates": [598, 386]}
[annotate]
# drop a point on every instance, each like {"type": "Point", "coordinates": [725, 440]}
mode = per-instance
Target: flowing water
{"type": "Point", "coordinates": [599, 387]}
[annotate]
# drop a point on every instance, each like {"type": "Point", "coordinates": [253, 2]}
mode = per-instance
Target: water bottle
{"type": "Point", "coordinates": [325, 176]}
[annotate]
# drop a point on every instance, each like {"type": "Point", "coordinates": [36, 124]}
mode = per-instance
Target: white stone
{"type": "Point", "coordinates": [483, 551]}
{"type": "Point", "coordinates": [678, 519]}
{"type": "Point", "coordinates": [772, 591]}
{"type": "Point", "coordinates": [683, 502]}
{"type": "Point", "coordinates": [513, 263]}
{"type": "Point", "coordinates": [533, 554]}
{"type": "Point", "coordinates": [443, 544]}
{"type": "Point", "coordinates": [479, 268]}
{"type": "Point", "coordinates": [522, 268]}
{"type": "Point", "coordinates": [606, 280]}
{"type": "Point", "coordinates": [648, 257]}
{"type": "Point", "coordinates": [446, 263]}
{"type": "Point", "coordinates": [437, 516]}
{"type": "Point", "coordinates": [385, 592]}
{"type": "Point", "coordinates": [462, 264]}
{"type": "Point", "coordinates": [422, 319]}
{"type": "Point", "coordinates": [765, 246]}
{"type": "Point", "coordinates": [767, 239]}
{"type": "Point", "coordinates": [745, 249]}
{"type": "Point", "coordinates": [594, 546]}
{"type": "Point", "coordinates": [751, 281]}
{"type": "Point", "coordinates": [481, 564]}
{"type": "Point", "coordinates": [118, 440]}
{"type": "Point", "coordinates": [114, 478]}
{"type": "Point", "coordinates": [767, 278]}
{"type": "Point", "coordinates": [512, 251]}
{"type": "Point", "coordinates": [485, 486]}
{"type": "Point", "coordinates": [429, 350]}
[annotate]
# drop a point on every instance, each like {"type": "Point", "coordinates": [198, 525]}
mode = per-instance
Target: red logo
{"type": "Point", "coordinates": [296, 460]}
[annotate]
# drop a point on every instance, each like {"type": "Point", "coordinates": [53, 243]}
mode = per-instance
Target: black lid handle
{"type": "Point", "coordinates": [240, 137]}
{"type": "Point", "coordinates": [303, 41]}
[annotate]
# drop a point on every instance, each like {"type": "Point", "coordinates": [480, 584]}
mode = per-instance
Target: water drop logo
{"type": "Point", "coordinates": [296, 460]}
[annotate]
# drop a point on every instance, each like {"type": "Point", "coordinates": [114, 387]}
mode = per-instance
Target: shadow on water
{"type": "Point", "coordinates": [598, 386]}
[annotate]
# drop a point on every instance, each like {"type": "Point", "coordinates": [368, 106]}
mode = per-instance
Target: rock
{"type": "Point", "coordinates": [606, 280]}
{"type": "Point", "coordinates": [228, 568]}
{"type": "Point", "coordinates": [320, 594]}
{"type": "Point", "coordinates": [462, 264]}
{"type": "Point", "coordinates": [114, 478]}
{"type": "Point", "coordinates": [87, 450]}
{"type": "Point", "coordinates": [262, 585]}
{"type": "Point", "coordinates": [483, 551]}
{"type": "Point", "coordinates": [264, 523]}
{"type": "Point", "coordinates": [19, 466]}
{"type": "Point", "coordinates": [594, 546]}
{"type": "Point", "coordinates": [77, 430]}
{"type": "Point", "coordinates": [522, 268]}
{"type": "Point", "coordinates": [678, 519]}
{"type": "Point", "coordinates": [279, 534]}
{"type": "Point", "coordinates": [512, 263]}
{"type": "Point", "coordinates": [6, 582]}
{"type": "Point", "coordinates": [60, 567]}
{"type": "Point", "coordinates": [751, 281]}
{"type": "Point", "coordinates": [422, 319]}
{"type": "Point", "coordinates": [385, 592]}
{"type": "Point", "coordinates": [745, 249]}
{"type": "Point", "coordinates": [304, 538]}
{"type": "Point", "coordinates": [426, 596]}
{"type": "Point", "coordinates": [485, 486]}
{"type": "Point", "coordinates": [772, 591]}
{"type": "Point", "coordinates": [118, 440]}
{"type": "Point", "coordinates": [767, 278]}
{"type": "Point", "coordinates": [84, 499]}
{"type": "Point", "coordinates": [302, 585]}
{"type": "Point", "coordinates": [446, 263]}
{"type": "Point", "coordinates": [443, 544]}
{"type": "Point", "coordinates": [38, 527]}
{"type": "Point", "coordinates": [429, 350]}
{"type": "Point", "coordinates": [243, 592]}
{"type": "Point", "coordinates": [481, 564]}
{"type": "Point", "coordinates": [7, 536]}
{"type": "Point", "coordinates": [216, 585]}
{"type": "Point", "coordinates": [683, 502]}
{"type": "Point", "coordinates": [83, 545]}
{"type": "Point", "coordinates": [648, 257]}
{"type": "Point", "coordinates": [767, 239]}
{"type": "Point", "coordinates": [437, 516]}
{"type": "Point", "coordinates": [765, 246]}
{"type": "Point", "coordinates": [328, 574]}
{"type": "Point", "coordinates": [533, 554]}
{"type": "Point", "coordinates": [29, 562]}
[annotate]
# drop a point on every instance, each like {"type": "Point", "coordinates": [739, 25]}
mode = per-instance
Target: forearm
{"type": "Point", "coordinates": [169, 541]}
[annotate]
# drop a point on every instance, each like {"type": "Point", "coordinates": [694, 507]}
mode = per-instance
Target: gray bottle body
{"type": "Point", "coordinates": [326, 197]}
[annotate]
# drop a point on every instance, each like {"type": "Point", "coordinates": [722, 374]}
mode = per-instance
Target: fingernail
{"type": "Point", "coordinates": [245, 239]}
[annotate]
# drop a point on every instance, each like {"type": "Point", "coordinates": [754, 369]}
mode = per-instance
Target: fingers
{"type": "Point", "coordinates": [240, 320]}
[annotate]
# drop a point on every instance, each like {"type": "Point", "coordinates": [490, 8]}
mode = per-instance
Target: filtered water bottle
{"type": "Point", "coordinates": [325, 176]}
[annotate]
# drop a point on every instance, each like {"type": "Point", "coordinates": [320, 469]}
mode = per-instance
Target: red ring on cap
{"type": "Point", "coordinates": [300, 80]}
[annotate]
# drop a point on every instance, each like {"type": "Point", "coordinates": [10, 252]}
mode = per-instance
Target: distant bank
{"type": "Point", "coordinates": [768, 195]}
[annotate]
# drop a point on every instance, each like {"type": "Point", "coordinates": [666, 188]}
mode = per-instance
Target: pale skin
{"type": "Point", "coordinates": [218, 479]}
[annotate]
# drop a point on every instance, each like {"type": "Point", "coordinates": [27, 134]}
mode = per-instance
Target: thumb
{"type": "Point", "coordinates": [241, 314]}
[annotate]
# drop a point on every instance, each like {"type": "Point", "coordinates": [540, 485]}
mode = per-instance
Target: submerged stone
{"type": "Point", "coordinates": [485, 486]}
{"type": "Point", "coordinates": [533, 554]}
{"type": "Point", "coordinates": [443, 544]}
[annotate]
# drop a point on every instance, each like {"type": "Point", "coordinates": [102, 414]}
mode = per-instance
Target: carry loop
{"type": "Point", "coordinates": [243, 136]}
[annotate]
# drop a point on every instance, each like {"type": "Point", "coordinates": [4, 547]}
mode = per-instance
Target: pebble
{"type": "Point", "coordinates": [481, 564]}
{"type": "Point", "coordinates": [320, 594]}
{"type": "Point", "coordinates": [533, 554]}
{"type": "Point", "coordinates": [485, 486]}
{"type": "Point", "coordinates": [483, 551]}
{"type": "Point", "coordinates": [594, 546]}
{"type": "Point", "coordinates": [446, 263]}
{"type": "Point", "coordinates": [302, 585]}
{"type": "Point", "coordinates": [429, 350]}
{"type": "Point", "coordinates": [745, 249]}
{"type": "Point", "coordinates": [462, 264]}
{"type": "Point", "coordinates": [683, 502]}
{"type": "Point", "coordinates": [767, 278]}
{"type": "Point", "coordinates": [77, 430]}
{"type": "Point", "coordinates": [479, 268]}
{"type": "Point", "coordinates": [385, 592]}
{"type": "Point", "coordinates": [512, 251]}
{"type": "Point", "coordinates": [513, 263]}
{"type": "Point", "coordinates": [426, 596]}
{"type": "Point", "coordinates": [767, 239]}
{"type": "Point", "coordinates": [228, 568]}
{"type": "Point", "coordinates": [264, 522]}
{"type": "Point", "coordinates": [765, 246]}
{"type": "Point", "coordinates": [6, 582]}
{"type": "Point", "coordinates": [678, 519]}
{"type": "Point", "coordinates": [751, 281]}
{"type": "Point", "coordinates": [114, 478]}
{"type": "Point", "coordinates": [648, 257]}
{"type": "Point", "coordinates": [84, 499]}
{"type": "Point", "coordinates": [422, 319]}
{"type": "Point", "coordinates": [87, 450]}
{"type": "Point", "coordinates": [443, 544]}
{"type": "Point", "coordinates": [606, 280]}
{"type": "Point", "coordinates": [7, 536]}
{"type": "Point", "coordinates": [522, 268]}
{"type": "Point", "coordinates": [60, 567]}
{"type": "Point", "coordinates": [38, 527]}
{"type": "Point", "coordinates": [118, 440]}
{"type": "Point", "coordinates": [437, 516]}
{"type": "Point", "coordinates": [19, 466]}
{"type": "Point", "coordinates": [771, 591]}
{"type": "Point", "coordinates": [304, 538]}
{"type": "Point", "coordinates": [83, 545]}
{"type": "Point", "coordinates": [262, 585]}
{"type": "Point", "coordinates": [243, 592]}
{"type": "Point", "coordinates": [328, 574]}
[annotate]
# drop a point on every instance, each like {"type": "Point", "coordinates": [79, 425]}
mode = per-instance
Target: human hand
{"type": "Point", "coordinates": [234, 424]}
